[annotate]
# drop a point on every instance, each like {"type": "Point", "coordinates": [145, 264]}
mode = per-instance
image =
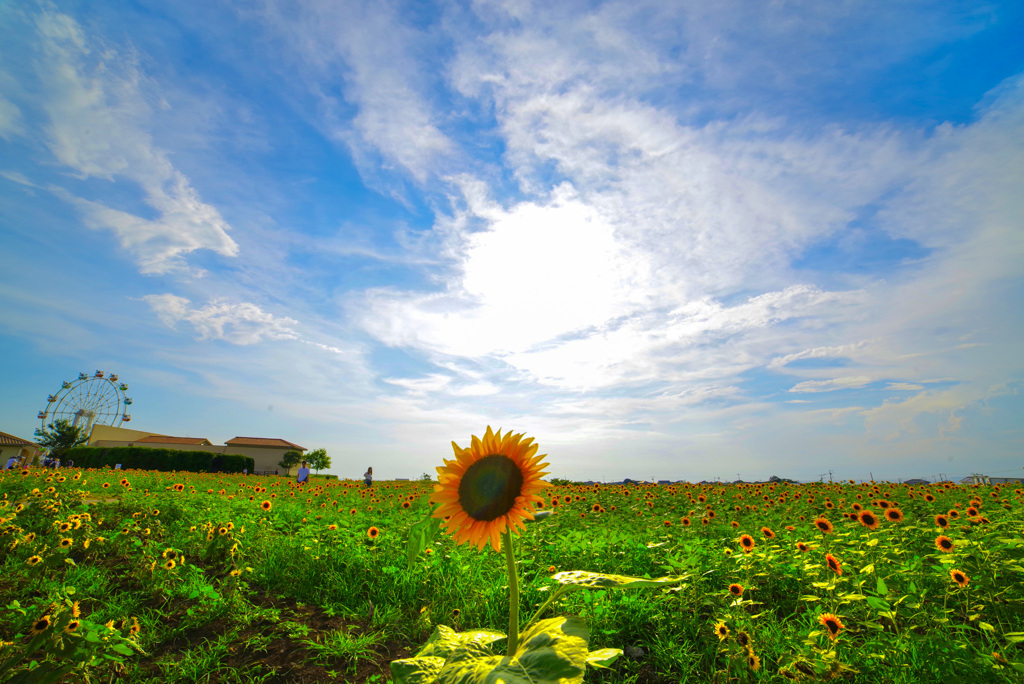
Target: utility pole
{"type": "Point", "coordinates": [829, 475]}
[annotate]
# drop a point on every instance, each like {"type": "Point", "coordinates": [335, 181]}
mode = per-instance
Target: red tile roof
{"type": "Point", "coordinates": [11, 440]}
{"type": "Point", "coordinates": [160, 439]}
{"type": "Point", "coordinates": [263, 442]}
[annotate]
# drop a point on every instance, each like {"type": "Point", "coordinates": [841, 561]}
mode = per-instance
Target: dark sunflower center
{"type": "Point", "coordinates": [489, 487]}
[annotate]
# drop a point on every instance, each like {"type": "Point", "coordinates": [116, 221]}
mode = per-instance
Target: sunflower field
{"type": "Point", "coordinates": [143, 576]}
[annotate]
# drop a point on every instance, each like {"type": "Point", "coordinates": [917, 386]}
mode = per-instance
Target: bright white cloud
{"type": "Point", "coordinates": [242, 323]}
{"type": "Point", "coordinates": [536, 273]}
{"type": "Point", "coordinates": [850, 382]}
{"type": "Point", "coordinates": [97, 113]}
{"type": "Point", "coordinates": [838, 352]}
{"type": "Point", "coordinates": [699, 340]}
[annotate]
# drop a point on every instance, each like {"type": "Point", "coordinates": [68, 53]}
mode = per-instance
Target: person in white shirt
{"type": "Point", "coordinates": [303, 473]}
{"type": "Point", "coordinates": [368, 477]}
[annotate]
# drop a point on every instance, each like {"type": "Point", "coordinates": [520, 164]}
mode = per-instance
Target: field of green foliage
{"type": "Point", "coordinates": [142, 576]}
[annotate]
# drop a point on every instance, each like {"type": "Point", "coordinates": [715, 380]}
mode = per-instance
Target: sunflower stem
{"type": "Point", "coordinates": [513, 595]}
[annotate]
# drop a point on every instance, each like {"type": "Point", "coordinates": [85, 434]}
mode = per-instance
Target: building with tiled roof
{"type": "Point", "coordinates": [176, 441]}
{"type": "Point", "coordinates": [266, 452]}
{"type": "Point", "coordinates": [22, 449]}
{"type": "Point", "coordinates": [263, 442]}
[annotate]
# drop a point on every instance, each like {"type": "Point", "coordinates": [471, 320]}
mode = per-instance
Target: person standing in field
{"type": "Point", "coordinates": [11, 462]}
{"type": "Point", "coordinates": [303, 473]}
{"type": "Point", "coordinates": [368, 477]}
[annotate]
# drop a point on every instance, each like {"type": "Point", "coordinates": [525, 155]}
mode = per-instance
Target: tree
{"type": "Point", "coordinates": [61, 435]}
{"type": "Point", "coordinates": [318, 460]}
{"type": "Point", "coordinates": [290, 459]}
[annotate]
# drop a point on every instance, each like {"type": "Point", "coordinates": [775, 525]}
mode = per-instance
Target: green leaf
{"type": "Point", "coordinates": [880, 605]}
{"type": "Point", "coordinates": [483, 669]}
{"type": "Point", "coordinates": [867, 569]}
{"type": "Point", "coordinates": [555, 649]}
{"type": "Point", "coordinates": [552, 651]}
{"type": "Point", "coordinates": [603, 657]}
{"type": "Point", "coordinates": [420, 536]}
{"type": "Point", "coordinates": [582, 579]}
{"type": "Point", "coordinates": [445, 641]}
{"type": "Point", "coordinates": [419, 670]}
{"type": "Point", "coordinates": [38, 676]}
{"type": "Point", "coordinates": [122, 649]}
{"type": "Point", "coordinates": [986, 626]}
{"type": "Point", "coordinates": [880, 587]}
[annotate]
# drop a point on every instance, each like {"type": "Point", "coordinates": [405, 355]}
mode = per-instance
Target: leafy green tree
{"type": "Point", "coordinates": [318, 460]}
{"type": "Point", "coordinates": [61, 435]}
{"type": "Point", "coordinates": [290, 459]}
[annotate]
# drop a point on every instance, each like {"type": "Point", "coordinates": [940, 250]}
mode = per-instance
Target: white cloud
{"type": "Point", "coordinates": [850, 382]}
{"type": "Point", "coordinates": [18, 178]}
{"type": "Point", "coordinates": [536, 273]}
{"type": "Point", "coordinates": [701, 339]}
{"type": "Point", "coordinates": [97, 109]}
{"type": "Point", "coordinates": [10, 119]}
{"type": "Point", "coordinates": [897, 418]}
{"type": "Point", "coordinates": [837, 352]}
{"type": "Point", "coordinates": [430, 383]}
{"type": "Point", "coordinates": [437, 383]}
{"type": "Point", "coordinates": [368, 52]}
{"type": "Point", "coordinates": [242, 323]}
{"type": "Point", "coordinates": [904, 386]}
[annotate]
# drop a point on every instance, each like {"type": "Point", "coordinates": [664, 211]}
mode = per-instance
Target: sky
{"type": "Point", "coordinates": [678, 240]}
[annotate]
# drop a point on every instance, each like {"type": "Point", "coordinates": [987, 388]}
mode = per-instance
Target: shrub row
{"type": "Point", "coordinates": [144, 458]}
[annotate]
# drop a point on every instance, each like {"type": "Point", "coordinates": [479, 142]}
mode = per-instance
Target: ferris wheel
{"type": "Point", "coordinates": [97, 399]}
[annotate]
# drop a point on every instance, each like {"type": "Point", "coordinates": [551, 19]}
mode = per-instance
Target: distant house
{"type": "Point", "coordinates": [977, 478]}
{"type": "Point", "coordinates": [916, 482]}
{"type": "Point", "coordinates": [22, 449]}
{"type": "Point", "coordinates": [266, 452]}
{"type": "Point", "coordinates": [174, 442]}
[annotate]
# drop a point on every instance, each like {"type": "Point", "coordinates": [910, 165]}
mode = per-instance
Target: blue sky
{"type": "Point", "coordinates": [680, 240]}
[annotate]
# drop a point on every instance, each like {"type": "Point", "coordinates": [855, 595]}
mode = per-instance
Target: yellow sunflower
{"type": "Point", "coordinates": [490, 487]}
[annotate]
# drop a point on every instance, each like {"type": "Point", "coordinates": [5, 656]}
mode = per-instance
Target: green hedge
{"type": "Point", "coordinates": [144, 458]}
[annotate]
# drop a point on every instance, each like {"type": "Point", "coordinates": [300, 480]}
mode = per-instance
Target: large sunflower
{"type": "Point", "coordinates": [489, 487]}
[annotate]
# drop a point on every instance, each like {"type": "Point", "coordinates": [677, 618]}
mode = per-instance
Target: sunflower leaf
{"type": "Point", "coordinates": [419, 670]}
{"type": "Point", "coordinates": [421, 535]}
{"type": "Point", "coordinates": [445, 641]}
{"type": "Point", "coordinates": [603, 657]}
{"type": "Point", "coordinates": [575, 580]}
{"type": "Point", "coordinates": [552, 651]}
